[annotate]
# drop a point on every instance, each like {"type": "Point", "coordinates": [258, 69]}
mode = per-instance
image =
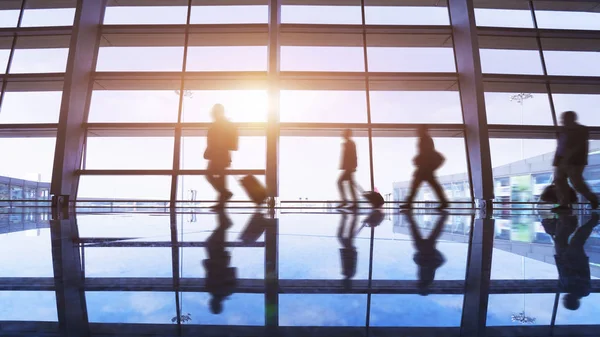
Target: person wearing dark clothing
{"type": "Point", "coordinates": [348, 166]}
{"type": "Point", "coordinates": [427, 161]}
{"type": "Point", "coordinates": [221, 279]}
{"type": "Point", "coordinates": [348, 253]}
{"type": "Point", "coordinates": [570, 160]}
{"type": "Point", "coordinates": [220, 140]}
{"type": "Point", "coordinates": [572, 262]}
{"type": "Point", "coordinates": [427, 257]}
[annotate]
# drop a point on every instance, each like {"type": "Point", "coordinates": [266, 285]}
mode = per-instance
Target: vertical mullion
{"type": "Point", "coordinates": [367, 91]}
{"type": "Point", "coordinates": [178, 128]}
{"type": "Point", "coordinates": [11, 53]}
{"type": "Point", "coordinates": [543, 61]}
{"type": "Point", "coordinates": [273, 94]}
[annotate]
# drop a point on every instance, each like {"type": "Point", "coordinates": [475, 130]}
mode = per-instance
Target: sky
{"type": "Point", "coordinates": [308, 166]}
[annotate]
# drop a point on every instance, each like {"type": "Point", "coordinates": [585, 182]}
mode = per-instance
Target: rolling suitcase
{"type": "Point", "coordinates": [254, 189]}
{"type": "Point", "coordinates": [374, 198]}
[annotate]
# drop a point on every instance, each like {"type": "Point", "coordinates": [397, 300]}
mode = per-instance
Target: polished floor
{"type": "Point", "coordinates": [298, 272]}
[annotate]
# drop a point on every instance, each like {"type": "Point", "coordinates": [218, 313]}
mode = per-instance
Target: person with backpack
{"type": "Point", "coordinates": [221, 139]}
{"type": "Point", "coordinates": [427, 161]}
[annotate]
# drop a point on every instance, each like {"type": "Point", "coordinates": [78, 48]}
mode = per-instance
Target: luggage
{"type": "Point", "coordinates": [549, 194]}
{"type": "Point", "coordinates": [374, 198]}
{"type": "Point", "coordinates": [254, 189]}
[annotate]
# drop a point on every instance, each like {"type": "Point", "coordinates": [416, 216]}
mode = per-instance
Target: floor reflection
{"type": "Point", "coordinates": [252, 268]}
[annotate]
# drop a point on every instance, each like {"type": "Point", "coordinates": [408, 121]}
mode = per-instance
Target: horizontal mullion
{"type": "Point", "coordinates": [36, 31]}
{"type": "Point", "coordinates": [119, 242]}
{"type": "Point", "coordinates": [133, 172]}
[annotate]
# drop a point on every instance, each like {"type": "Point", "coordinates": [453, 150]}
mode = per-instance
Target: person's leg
{"type": "Point", "coordinates": [211, 177]}
{"type": "Point", "coordinates": [352, 184]}
{"type": "Point", "coordinates": [343, 177]}
{"type": "Point", "coordinates": [575, 174]}
{"type": "Point", "coordinates": [439, 191]}
{"type": "Point", "coordinates": [562, 185]}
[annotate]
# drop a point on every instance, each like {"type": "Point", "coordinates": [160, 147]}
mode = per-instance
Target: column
{"type": "Point", "coordinates": [77, 92]}
{"type": "Point", "coordinates": [470, 79]}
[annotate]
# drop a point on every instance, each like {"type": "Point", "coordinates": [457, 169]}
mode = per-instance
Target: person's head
{"type": "Point", "coordinates": [216, 306]}
{"type": "Point", "coordinates": [568, 118]}
{"type": "Point", "coordinates": [571, 301]}
{"type": "Point", "coordinates": [218, 112]}
{"type": "Point", "coordinates": [347, 134]}
{"type": "Point", "coordinates": [422, 130]}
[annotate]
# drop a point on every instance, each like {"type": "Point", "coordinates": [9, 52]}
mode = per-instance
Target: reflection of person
{"type": "Point", "coordinates": [348, 253]}
{"type": "Point", "coordinates": [348, 166]}
{"type": "Point", "coordinates": [570, 160]}
{"type": "Point", "coordinates": [220, 140]}
{"type": "Point", "coordinates": [571, 260]}
{"type": "Point", "coordinates": [427, 161]}
{"type": "Point", "coordinates": [221, 279]}
{"type": "Point", "coordinates": [427, 257]}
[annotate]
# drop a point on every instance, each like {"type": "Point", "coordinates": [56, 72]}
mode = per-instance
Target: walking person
{"type": "Point", "coordinates": [570, 160]}
{"type": "Point", "coordinates": [427, 161]}
{"type": "Point", "coordinates": [221, 139]}
{"type": "Point", "coordinates": [348, 166]}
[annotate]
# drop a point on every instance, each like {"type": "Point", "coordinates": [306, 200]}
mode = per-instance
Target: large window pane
{"type": "Point", "coordinates": [128, 261]}
{"type": "Point", "coordinates": [47, 60]}
{"type": "Point", "coordinates": [518, 108]}
{"type": "Point", "coordinates": [30, 251]}
{"type": "Point", "coordinates": [27, 158]}
{"type": "Point", "coordinates": [392, 59]}
{"type": "Point", "coordinates": [322, 309]}
{"type": "Point", "coordinates": [429, 311]}
{"type": "Point", "coordinates": [238, 309]}
{"type": "Point", "coordinates": [295, 58]}
{"type": "Point", "coordinates": [30, 107]}
{"type": "Point", "coordinates": [503, 18]}
{"type": "Point", "coordinates": [228, 58]}
{"type": "Point", "coordinates": [134, 106]}
{"type": "Point", "coordinates": [251, 153]}
{"type": "Point", "coordinates": [346, 15]}
{"type": "Point", "coordinates": [500, 61]}
{"type": "Point", "coordinates": [568, 20]}
{"type": "Point", "coordinates": [129, 153]}
{"type": "Point", "coordinates": [4, 54]}
{"type": "Point", "coordinates": [573, 63]}
{"type": "Point", "coordinates": [140, 59]}
{"type": "Point", "coordinates": [404, 15]}
{"type": "Point", "coordinates": [9, 18]}
{"type": "Point", "coordinates": [516, 163]}
{"type": "Point", "coordinates": [229, 14]}
{"type": "Point", "coordinates": [415, 107]}
{"type": "Point", "coordinates": [144, 15]}
{"type": "Point", "coordinates": [130, 307]}
{"type": "Point", "coordinates": [36, 306]}
{"type": "Point", "coordinates": [48, 17]}
{"type": "Point", "coordinates": [586, 107]}
{"type": "Point", "coordinates": [502, 307]}
{"type": "Point", "coordinates": [124, 187]}
{"type": "Point", "coordinates": [323, 106]}
{"type": "Point", "coordinates": [240, 105]}
{"type": "Point", "coordinates": [155, 228]}
{"type": "Point", "coordinates": [309, 167]}
{"type": "Point", "coordinates": [197, 188]}
{"type": "Point", "coordinates": [392, 160]}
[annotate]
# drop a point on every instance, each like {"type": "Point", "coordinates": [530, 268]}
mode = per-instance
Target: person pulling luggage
{"type": "Point", "coordinates": [348, 166]}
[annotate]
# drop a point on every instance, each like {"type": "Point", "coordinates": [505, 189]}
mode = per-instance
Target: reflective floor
{"type": "Point", "coordinates": [301, 272]}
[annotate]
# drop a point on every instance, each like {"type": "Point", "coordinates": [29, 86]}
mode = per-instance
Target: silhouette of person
{"type": "Point", "coordinates": [348, 253]}
{"type": "Point", "coordinates": [348, 166]}
{"type": "Point", "coordinates": [570, 160]}
{"type": "Point", "coordinates": [572, 262]}
{"type": "Point", "coordinates": [220, 140]}
{"type": "Point", "coordinates": [427, 161]}
{"type": "Point", "coordinates": [427, 257]}
{"type": "Point", "coordinates": [221, 279]}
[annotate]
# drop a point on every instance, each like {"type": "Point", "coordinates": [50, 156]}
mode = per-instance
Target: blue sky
{"type": "Point", "coordinates": [308, 166]}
